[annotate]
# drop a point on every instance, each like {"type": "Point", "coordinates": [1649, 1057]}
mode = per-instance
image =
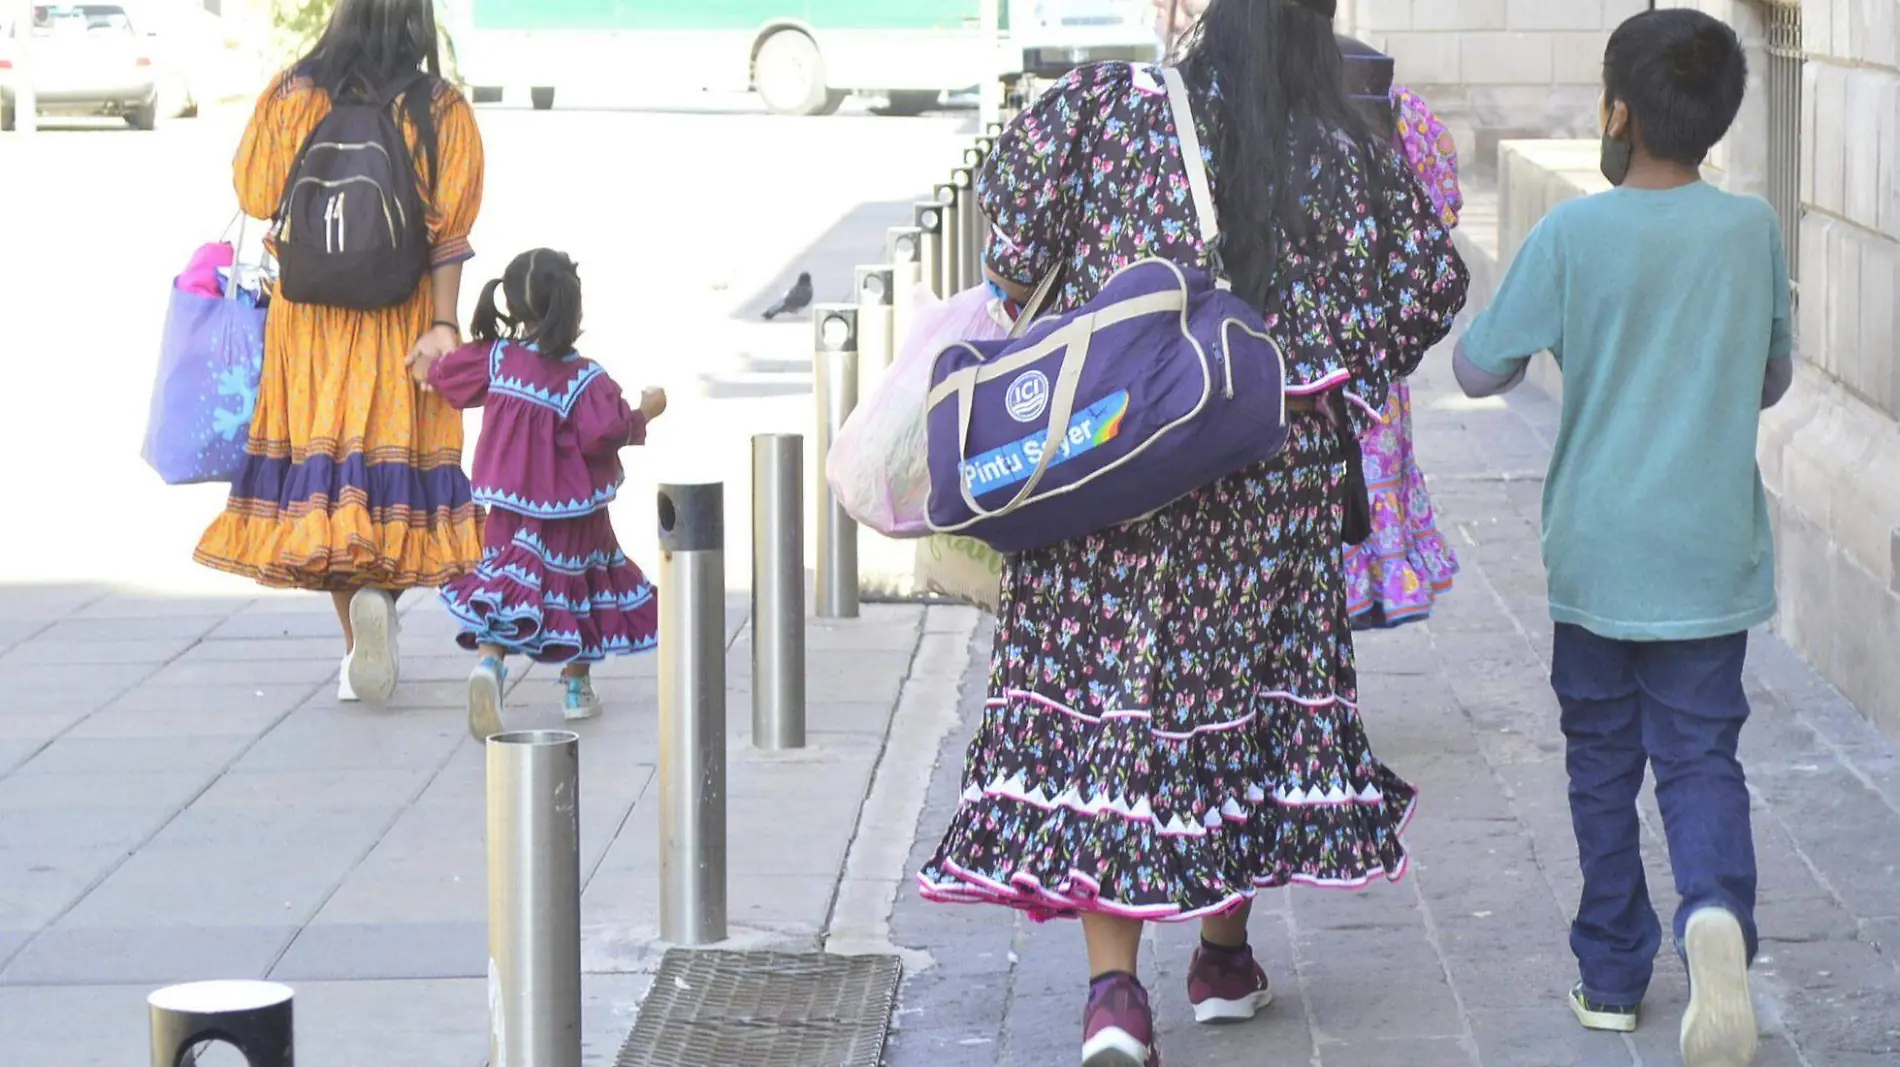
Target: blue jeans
{"type": "Point", "coordinates": [1677, 706]}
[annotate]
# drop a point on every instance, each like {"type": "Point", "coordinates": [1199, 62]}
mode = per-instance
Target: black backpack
{"type": "Point", "coordinates": [352, 227]}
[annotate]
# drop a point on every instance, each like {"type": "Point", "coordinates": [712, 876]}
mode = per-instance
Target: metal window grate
{"type": "Point", "coordinates": [1783, 82]}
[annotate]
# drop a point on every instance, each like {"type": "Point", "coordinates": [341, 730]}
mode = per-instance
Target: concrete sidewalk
{"type": "Point", "coordinates": [182, 798]}
{"type": "Point", "coordinates": [1466, 961]}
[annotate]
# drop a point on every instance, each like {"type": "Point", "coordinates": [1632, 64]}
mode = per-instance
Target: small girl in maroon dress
{"type": "Point", "coordinates": [553, 584]}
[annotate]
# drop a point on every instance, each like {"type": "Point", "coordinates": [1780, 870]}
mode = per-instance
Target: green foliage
{"type": "Point", "coordinates": [295, 25]}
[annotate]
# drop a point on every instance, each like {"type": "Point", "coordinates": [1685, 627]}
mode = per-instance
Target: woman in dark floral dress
{"type": "Point", "coordinates": [1172, 721]}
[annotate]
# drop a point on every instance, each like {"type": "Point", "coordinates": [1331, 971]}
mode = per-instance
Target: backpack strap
{"type": "Point", "coordinates": [387, 96]}
{"type": "Point", "coordinates": [1183, 108]}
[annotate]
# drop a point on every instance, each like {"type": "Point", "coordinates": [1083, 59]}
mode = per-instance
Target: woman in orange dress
{"type": "Point", "coordinates": [353, 484]}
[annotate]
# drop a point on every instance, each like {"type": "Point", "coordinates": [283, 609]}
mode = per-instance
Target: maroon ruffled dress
{"type": "Point", "coordinates": [553, 583]}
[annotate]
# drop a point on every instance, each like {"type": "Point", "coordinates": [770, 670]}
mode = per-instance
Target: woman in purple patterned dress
{"type": "Point", "coordinates": [1172, 721]}
{"type": "Point", "coordinates": [1399, 573]}
{"type": "Point", "coordinates": [553, 584]}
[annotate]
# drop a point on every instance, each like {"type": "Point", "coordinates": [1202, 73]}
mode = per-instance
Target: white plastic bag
{"type": "Point", "coordinates": [960, 568]}
{"type": "Point", "coordinates": [879, 466]}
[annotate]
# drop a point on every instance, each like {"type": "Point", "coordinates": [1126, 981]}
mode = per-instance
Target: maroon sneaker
{"type": "Point", "coordinates": [1117, 1028]}
{"type": "Point", "coordinates": [1227, 987]}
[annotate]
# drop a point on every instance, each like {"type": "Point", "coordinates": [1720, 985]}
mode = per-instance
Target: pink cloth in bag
{"type": "Point", "coordinates": [879, 466]}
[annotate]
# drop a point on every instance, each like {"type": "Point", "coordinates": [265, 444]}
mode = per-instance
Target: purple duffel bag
{"type": "Point", "coordinates": [1164, 383]}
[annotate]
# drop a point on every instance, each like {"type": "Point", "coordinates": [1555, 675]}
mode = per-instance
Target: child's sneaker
{"type": "Point", "coordinates": [1118, 1027]}
{"type": "Point", "coordinates": [484, 699]}
{"type": "Point", "coordinates": [580, 701]}
{"type": "Point", "coordinates": [1615, 1018]}
{"type": "Point", "coordinates": [370, 669]}
{"type": "Point", "coordinates": [344, 694]}
{"type": "Point", "coordinates": [1718, 1030]}
{"type": "Point", "coordinates": [1227, 986]}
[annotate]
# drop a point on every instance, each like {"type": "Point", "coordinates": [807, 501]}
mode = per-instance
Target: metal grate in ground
{"type": "Point", "coordinates": [764, 1009]}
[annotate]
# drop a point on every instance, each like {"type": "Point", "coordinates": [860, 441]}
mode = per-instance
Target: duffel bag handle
{"type": "Point", "coordinates": [1075, 354]}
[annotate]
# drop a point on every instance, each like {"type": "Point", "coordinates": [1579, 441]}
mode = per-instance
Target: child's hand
{"type": "Point", "coordinates": [419, 363]}
{"type": "Point", "coordinates": [652, 402]}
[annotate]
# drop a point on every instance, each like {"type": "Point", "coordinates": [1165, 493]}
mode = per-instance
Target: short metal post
{"type": "Point", "coordinates": [534, 899]}
{"type": "Point", "coordinates": [26, 104]}
{"type": "Point", "coordinates": [876, 337]}
{"type": "Point", "coordinates": [778, 591]}
{"type": "Point", "coordinates": [902, 245]}
{"type": "Point", "coordinates": [969, 242]}
{"type": "Point", "coordinates": [836, 360]}
{"type": "Point", "coordinates": [256, 1018]}
{"type": "Point", "coordinates": [950, 240]}
{"type": "Point", "coordinates": [929, 218]}
{"type": "Point", "coordinates": [693, 713]}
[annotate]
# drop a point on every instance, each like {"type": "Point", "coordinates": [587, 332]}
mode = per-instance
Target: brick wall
{"type": "Point", "coordinates": [1497, 69]}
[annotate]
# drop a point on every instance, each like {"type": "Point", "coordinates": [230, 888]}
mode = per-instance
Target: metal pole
{"type": "Point", "coordinates": [929, 218]}
{"type": "Point", "coordinates": [990, 89]}
{"type": "Point", "coordinates": [950, 240]}
{"type": "Point", "coordinates": [25, 98]}
{"type": "Point", "coordinates": [902, 245]}
{"type": "Point", "coordinates": [693, 713]}
{"type": "Point", "coordinates": [534, 899]}
{"type": "Point", "coordinates": [876, 338]}
{"type": "Point", "coordinates": [971, 219]}
{"type": "Point", "coordinates": [778, 591]}
{"type": "Point", "coordinates": [836, 330]}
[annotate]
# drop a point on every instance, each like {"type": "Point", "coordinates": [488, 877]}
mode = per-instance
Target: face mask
{"type": "Point", "coordinates": [1614, 159]}
{"type": "Point", "coordinates": [1613, 156]}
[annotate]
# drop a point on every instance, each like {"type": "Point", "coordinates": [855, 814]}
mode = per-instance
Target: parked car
{"type": "Point", "coordinates": [203, 59]}
{"type": "Point", "coordinates": [87, 60]}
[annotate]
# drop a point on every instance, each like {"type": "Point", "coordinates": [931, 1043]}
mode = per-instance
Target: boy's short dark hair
{"type": "Point", "coordinates": [1682, 75]}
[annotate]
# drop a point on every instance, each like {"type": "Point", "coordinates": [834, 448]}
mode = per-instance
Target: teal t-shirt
{"type": "Point", "coordinates": [1663, 308]}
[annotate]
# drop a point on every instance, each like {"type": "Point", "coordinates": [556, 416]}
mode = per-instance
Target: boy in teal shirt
{"type": "Point", "coordinates": [1666, 304]}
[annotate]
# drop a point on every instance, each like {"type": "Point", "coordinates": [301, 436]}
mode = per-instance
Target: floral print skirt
{"type": "Point", "coordinates": [1399, 574]}
{"type": "Point", "coordinates": [1172, 720]}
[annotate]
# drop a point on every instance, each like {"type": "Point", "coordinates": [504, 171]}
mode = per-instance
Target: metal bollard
{"type": "Point", "coordinates": [949, 241]}
{"type": "Point", "coordinates": [836, 360]}
{"type": "Point", "coordinates": [778, 591]}
{"type": "Point", "coordinates": [902, 245]}
{"type": "Point", "coordinates": [534, 899]}
{"type": "Point", "coordinates": [970, 217]}
{"type": "Point", "coordinates": [255, 1018]}
{"type": "Point", "coordinates": [930, 231]}
{"type": "Point", "coordinates": [693, 713]}
{"type": "Point", "coordinates": [876, 335]}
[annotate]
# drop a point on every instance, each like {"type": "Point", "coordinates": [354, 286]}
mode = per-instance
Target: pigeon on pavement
{"type": "Point", "coordinates": [798, 299]}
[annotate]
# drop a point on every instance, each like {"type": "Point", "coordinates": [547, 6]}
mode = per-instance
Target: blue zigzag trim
{"type": "Point", "coordinates": [562, 404]}
{"type": "Point", "coordinates": [570, 509]}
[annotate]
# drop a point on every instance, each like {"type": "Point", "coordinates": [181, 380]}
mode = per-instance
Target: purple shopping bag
{"type": "Point", "coordinates": [209, 364]}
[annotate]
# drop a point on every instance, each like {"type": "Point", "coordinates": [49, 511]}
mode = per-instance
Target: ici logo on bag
{"type": "Point", "coordinates": [1027, 397]}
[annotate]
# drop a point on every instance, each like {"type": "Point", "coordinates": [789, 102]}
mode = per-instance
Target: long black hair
{"type": "Point", "coordinates": [1274, 81]}
{"type": "Point", "coordinates": [543, 288]}
{"type": "Point", "coordinates": [368, 45]}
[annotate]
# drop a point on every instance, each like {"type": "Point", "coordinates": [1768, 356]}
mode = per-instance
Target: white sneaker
{"type": "Point", "coordinates": [345, 694]}
{"type": "Point", "coordinates": [370, 669]}
{"type": "Point", "coordinates": [484, 699]}
{"type": "Point", "coordinates": [1718, 1030]}
{"type": "Point", "coordinates": [579, 702]}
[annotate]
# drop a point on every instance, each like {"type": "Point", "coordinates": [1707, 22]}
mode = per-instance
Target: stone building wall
{"type": "Point", "coordinates": [1497, 69]}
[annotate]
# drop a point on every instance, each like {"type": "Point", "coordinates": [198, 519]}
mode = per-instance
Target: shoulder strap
{"type": "Point", "coordinates": [389, 94]}
{"type": "Point", "coordinates": [1183, 108]}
